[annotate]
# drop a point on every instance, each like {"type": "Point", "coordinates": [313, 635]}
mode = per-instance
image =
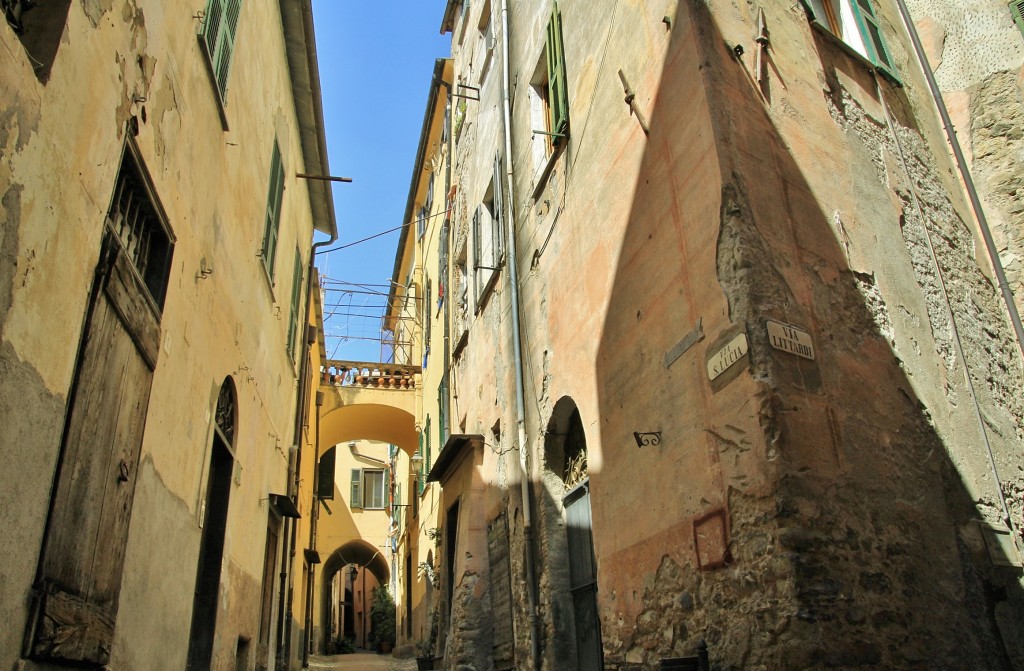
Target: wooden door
{"type": "Point", "coordinates": [583, 578]}
{"type": "Point", "coordinates": [76, 593]}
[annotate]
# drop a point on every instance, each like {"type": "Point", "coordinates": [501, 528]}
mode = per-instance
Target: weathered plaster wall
{"type": "Point", "coordinates": [795, 513]}
{"type": "Point", "coordinates": [61, 146]}
{"type": "Point", "coordinates": [977, 54]}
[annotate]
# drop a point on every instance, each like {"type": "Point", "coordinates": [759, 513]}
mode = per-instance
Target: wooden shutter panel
{"type": "Point", "coordinates": [477, 256]}
{"type": "Point", "coordinates": [1017, 12]}
{"type": "Point", "coordinates": [356, 494]}
{"type": "Point", "coordinates": [274, 196]}
{"type": "Point", "coordinates": [293, 319]}
{"type": "Point", "coordinates": [426, 457]}
{"type": "Point", "coordinates": [558, 99]}
{"type": "Point", "coordinates": [325, 474]}
{"type": "Point", "coordinates": [499, 213]}
{"type": "Point", "coordinates": [211, 27]}
{"type": "Point", "coordinates": [226, 46]}
{"type": "Point", "coordinates": [867, 23]}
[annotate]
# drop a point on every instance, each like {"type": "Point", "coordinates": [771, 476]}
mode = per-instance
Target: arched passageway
{"type": "Point", "coordinates": [349, 573]}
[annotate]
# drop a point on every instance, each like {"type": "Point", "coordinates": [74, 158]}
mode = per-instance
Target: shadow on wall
{"type": "Point", "coordinates": [835, 516]}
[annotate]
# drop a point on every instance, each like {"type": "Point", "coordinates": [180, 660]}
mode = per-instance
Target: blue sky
{"type": "Point", "coordinates": [376, 60]}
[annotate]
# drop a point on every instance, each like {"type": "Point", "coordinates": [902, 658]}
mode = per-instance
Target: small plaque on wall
{"type": "Point", "coordinates": [791, 339]}
{"type": "Point", "coordinates": [727, 356]}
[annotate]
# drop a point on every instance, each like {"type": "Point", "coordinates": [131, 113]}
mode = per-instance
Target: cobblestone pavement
{"type": "Point", "coordinates": [360, 662]}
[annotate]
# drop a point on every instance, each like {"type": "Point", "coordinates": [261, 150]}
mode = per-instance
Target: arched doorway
{"type": "Point", "coordinates": [566, 455]}
{"type": "Point", "coordinates": [211, 544]}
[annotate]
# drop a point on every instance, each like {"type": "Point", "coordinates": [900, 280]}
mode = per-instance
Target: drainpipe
{"type": "Point", "coordinates": [285, 632]}
{"type": "Point", "coordinates": [288, 553]}
{"type": "Point", "coordinates": [965, 173]}
{"type": "Point", "coordinates": [513, 276]}
{"type": "Point", "coordinates": [314, 516]}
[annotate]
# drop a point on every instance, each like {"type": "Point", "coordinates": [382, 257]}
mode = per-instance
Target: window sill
{"type": "Point", "coordinates": [211, 71]}
{"type": "Point", "coordinates": [488, 288]}
{"type": "Point", "coordinates": [831, 37]}
{"type": "Point", "coordinates": [265, 273]}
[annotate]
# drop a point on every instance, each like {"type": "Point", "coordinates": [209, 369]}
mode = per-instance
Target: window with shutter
{"type": "Point", "coordinates": [867, 22]}
{"type": "Point", "coordinates": [293, 319]}
{"type": "Point", "coordinates": [855, 23]}
{"type": "Point", "coordinates": [1017, 12]}
{"type": "Point", "coordinates": [488, 249]}
{"type": "Point", "coordinates": [427, 321]}
{"type": "Point", "coordinates": [355, 499]}
{"type": "Point", "coordinates": [442, 405]}
{"type": "Point", "coordinates": [273, 217]}
{"type": "Point", "coordinates": [426, 456]}
{"type": "Point", "coordinates": [558, 97]}
{"type": "Point", "coordinates": [218, 38]}
{"type": "Point", "coordinates": [325, 474]}
{"type": "Point", "coordinates": [442, 264]}
{"type": "Point", "coordinates": [373, 490]}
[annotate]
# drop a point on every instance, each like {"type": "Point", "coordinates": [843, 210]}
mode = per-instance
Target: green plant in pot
{"type": "Point", "coordinates": [382, 619]}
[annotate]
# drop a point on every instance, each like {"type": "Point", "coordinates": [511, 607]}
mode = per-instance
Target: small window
{"type": "Point", "coordinates": [548, 95]}
{"type": "Point", "coordinates": [442, 264]}
{"type": "Point", "coordinates": [39, 26]}
{"type": "Point", "coordinates": [856, 24]}
{"type": "Point", "coordinates": [427, 322]}
{"type": "Point", "coordinates": [442, 405]}
{"type": "Point", "coordinates": [487, 240]}
{"type": "Point", "coordinates": [136, 219]}
{"type": "Point", "coordinates": [367, 489]}
{"type": "Point", "coordinates": [273, 218]}
{"type": "Point", "coordinates": [558, 97]}
{"type": "Point", "coordinates": [220, 23]}
{"type": "Point", "coordinates": [421, 222]}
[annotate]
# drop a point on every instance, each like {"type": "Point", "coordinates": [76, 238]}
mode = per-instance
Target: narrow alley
{"type": "Point", "coordinates": [689, 335]}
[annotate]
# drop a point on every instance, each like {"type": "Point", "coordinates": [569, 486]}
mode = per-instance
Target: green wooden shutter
{"type": "Point", "coordinates": [219, 35]}
{"type": "Point", "coordinates": [325, 474]}
{"type": "Point", "coordinates": [356, 493]}
{"type": "Point", "coordinates": [1017, 12]}
{"type": "Point", "coordinates": [426, 457]}
{"type": "Point", "coordinates": [227, 45]}
{"type": "Point", "coordinates": [274, 196]}
{"type": "Point", "coordinates": [419, 476]}
{"type": "Point", "coordinates": [477, 253]}
{"type": "Point", "coordinates": [211, 27]}
{"type": "Point", "coordinates": [558, 98]}
{"type": "Point", "coordinates": [499, 213]}
{"type": "Point", "coordinates": [293, 319]}
{"type": "Point", "coordinates": [867, 23]}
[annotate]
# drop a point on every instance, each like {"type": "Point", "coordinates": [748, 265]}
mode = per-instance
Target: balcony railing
{"type": "Point", "coordinates": [369, 375]}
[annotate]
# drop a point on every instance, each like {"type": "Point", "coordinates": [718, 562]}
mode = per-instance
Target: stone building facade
{"type": "Point", "coordinates": [154, 262]}
{"type": "Point", "coordinates": [977, 54]}
{"type": "Point", "coordinates": [735, 368]}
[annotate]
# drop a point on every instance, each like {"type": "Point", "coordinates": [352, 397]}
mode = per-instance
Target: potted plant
{"type": "Point", "coordinates": [424, 656]}
{"type": "Point", "coordinates": [382, 619]}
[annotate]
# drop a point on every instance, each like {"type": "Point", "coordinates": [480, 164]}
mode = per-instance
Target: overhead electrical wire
{"type": "Point", "coordinates": [377, 235]}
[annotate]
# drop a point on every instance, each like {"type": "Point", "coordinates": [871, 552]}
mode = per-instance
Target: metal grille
{"type": "Point", "coordinates": [135, 222]}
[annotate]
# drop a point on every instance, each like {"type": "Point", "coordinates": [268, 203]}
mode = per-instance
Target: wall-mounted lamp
{"type": "Point", "coordinates": [417, 460]}
{"type": "Point", "coordinates": [648, 439]}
